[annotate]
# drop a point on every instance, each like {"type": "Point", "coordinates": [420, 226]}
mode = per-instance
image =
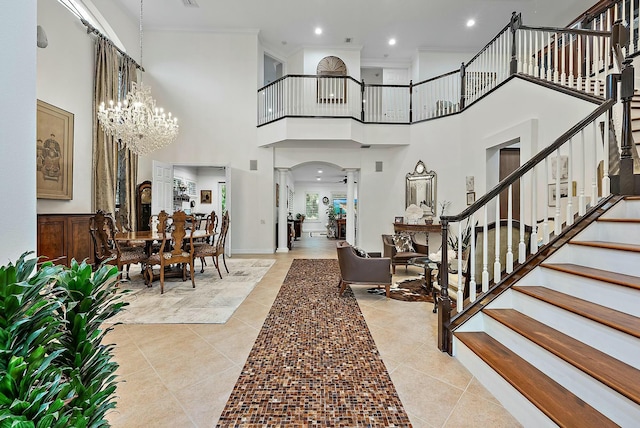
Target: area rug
{"type": "Point", "coordinates": [411, 290]}
{"type": "Point", "coordinates": [314, 362]}
{"type": "Point", "coordinates": [212, 301]}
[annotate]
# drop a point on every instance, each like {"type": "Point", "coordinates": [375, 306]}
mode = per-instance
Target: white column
{"type": "Point", "coordinates": [283, 231]}
{"type": "Point", "coordinates": [351, 217]}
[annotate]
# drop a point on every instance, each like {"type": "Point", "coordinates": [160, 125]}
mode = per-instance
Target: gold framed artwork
{"type": "Point", "coordinates": [54, 152]}
{"type": "Point", "coordinates": [205, 196]}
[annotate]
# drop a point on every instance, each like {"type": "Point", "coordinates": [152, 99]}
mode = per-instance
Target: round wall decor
{"type": "Point", "coordinates": [325, 200]}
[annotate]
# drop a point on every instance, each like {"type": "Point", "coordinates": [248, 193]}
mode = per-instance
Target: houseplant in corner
{"type": "Point", "coordinates": [54, 370]}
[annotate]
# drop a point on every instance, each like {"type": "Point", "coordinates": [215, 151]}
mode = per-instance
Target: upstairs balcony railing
{"type": "Point", "coordinates": [573, 58]}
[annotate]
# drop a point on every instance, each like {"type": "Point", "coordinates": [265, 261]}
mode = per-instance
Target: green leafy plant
{"type": "Point", "coordinates": [54, 369]}
{"type": "Point", "coordinates": [466, 238]}
{"type": "Point", "coordinates": [89, 299]}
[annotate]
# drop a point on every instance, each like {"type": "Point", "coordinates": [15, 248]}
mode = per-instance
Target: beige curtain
{"type": "Point", "coordinates": [105, 150]}
{"type": "Point", "coordinates": [128, 160]}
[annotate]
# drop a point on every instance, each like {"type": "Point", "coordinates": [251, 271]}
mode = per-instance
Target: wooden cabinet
{"type": "Point", "coordinates": [65, 237]}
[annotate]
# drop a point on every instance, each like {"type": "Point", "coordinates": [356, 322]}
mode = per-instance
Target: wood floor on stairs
{"type": "Point", "coordinates": [617, 375]}
{"type": "Point", "coordinates": [609, 245]}
{"type": "Point", "coordinates": [597, 274]}
{"type": "Point", "coordinates": [559, 404]}
{"type": "Point", "coordinates": [610, 317]}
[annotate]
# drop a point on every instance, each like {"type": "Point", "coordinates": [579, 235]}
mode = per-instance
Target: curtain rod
{"type": "Point", "coordinates": [94, 30]}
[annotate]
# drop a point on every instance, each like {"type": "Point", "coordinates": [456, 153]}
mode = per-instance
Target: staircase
{"type": "Point", "coordinates": [562, 346]}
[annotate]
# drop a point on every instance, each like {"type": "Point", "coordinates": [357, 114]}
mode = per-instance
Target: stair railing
{"type": "Point", "coordinates": [578, 59]}
{"type": "Point", "coordinates": [557, 184]}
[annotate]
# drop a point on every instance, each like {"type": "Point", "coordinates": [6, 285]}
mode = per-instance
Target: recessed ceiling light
{"type": "Point", "coordinates": [319, 171]}
{"type": "Point", "coordinates": [392, 42]}
{"type": "Point", "coordinates": [471, 23]}
{"type": "Point", "coordinates": [318, 31]}
{"type": "Point", "coordinates": [318, 178]}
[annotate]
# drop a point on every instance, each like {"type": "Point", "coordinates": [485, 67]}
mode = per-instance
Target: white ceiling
{"type": "Point", "coordinates": [285, 26]}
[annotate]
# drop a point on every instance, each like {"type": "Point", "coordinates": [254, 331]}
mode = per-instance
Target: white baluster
{"type": "Point", "coordinates": [606, 181]}
{"type": "Point", "coordinates": [570, 189]}
{"type": "Point", "coordinates": [563, 76]}
{"type": "Point", "coordinates": [536, 58]}
{"type": "Point", "coordinates": [545, 220]}
{"type": "Point", "coordinates": [485, 255]}
{"type": "Point", "coordinates": [522, 246]}
{"type": "Point", "coordinates": [557, 219]}
{"type": "Point", "coordinates": [509, 259]}
{"type": "Point", "coordinates": [594, 173]}
{"type": "Point", "coordinates": [571, 55]}
{"type": "Point", "coordinates": [632, 23]}
{"type": "Point", "coordinates": [579, 82]}
{"type": "Point", "coordinates": [471, 261]}
{"type": "Point", "coordinates": [587, 66]}
{"type": "Point", "coordinates": [534, 212]}
{"type": "Point", "coordinates": [550, 64]}
{"type": "Point", "coordinates": [460, 298]}
{"type": "Point", "coordinates": [497, 268]}
{"type": "Point", "coordinates": [582, 206]}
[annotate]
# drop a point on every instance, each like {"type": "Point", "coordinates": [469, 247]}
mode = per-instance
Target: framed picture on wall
{"type": "Point", "coordinates": [471, 197]}
{"type": "Point", "coordinates": [205, 196]}
{"type": "Point", "coordinates": [54, 152]}
{"type": "Point", "coordinates": [398, 220]}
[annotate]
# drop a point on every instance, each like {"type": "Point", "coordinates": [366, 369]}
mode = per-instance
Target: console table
{"type": "Point", "coordinates": [412, 229]}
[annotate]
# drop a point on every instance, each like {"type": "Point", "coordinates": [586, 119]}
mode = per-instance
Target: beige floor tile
{"type": "Point", "coordinates": [424, 396]}
{"type": "Point", "coordinates": [182, 375]}
{"type": "Point", "coordinates": [473, 411]}
{"type": "Point", "coordinates": [188, 369]}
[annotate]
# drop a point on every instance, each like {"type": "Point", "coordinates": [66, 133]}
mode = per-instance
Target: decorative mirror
{"type": "Point", "coordinates": [421, 189]}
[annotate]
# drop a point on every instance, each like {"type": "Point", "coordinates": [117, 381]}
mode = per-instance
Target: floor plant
{"type": "Point", "coordinates": [55, 370]}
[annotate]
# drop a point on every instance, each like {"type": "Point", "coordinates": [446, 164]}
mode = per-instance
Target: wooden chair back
{"type": "Point", "coordinates": [222, 237]}
{"type": "Point", "coordinates": [102, 228]}
{"type": "Point", "coordinates": [173, 248]}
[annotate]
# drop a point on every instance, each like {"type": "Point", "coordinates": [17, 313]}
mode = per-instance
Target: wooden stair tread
{"type": "Point", "coordinates": [597, 274]}
{"type": "Point", "coordinates": [617, 320]}
{"type": "Point", "coordinates": [617, 375]}
{"type": "Point", "coordinates": [559, 404]}
{"type": "Point", "coordinates": [619, 220]}
{"type": "Point", "coordinates": [609, 245]}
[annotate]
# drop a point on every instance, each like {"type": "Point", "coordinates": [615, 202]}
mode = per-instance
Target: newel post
{"type": "Point", "coordinates": [362, 100]}
{"type": "Point", "coordinates": [626, 158]}
{"type": "Point", "coordinates": [444, 301]}
{"type": "Point", "coordinates": [463, 86]}
{"type": "Point", "coordinates": [516, 22]}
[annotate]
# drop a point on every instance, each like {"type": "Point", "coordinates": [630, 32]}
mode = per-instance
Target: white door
{"type": "Point", "coordinates": [162, 188]}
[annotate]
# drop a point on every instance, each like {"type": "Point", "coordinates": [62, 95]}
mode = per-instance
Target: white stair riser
{"type": "Point", "coordinates": [602, 398]}
{"type": "Point", "coordinates": [627, 233]}
{"type": "Point", "coordinates": [625, 262]}
{"type": "Point", "coordinates": [512, 400]}
{"type": "Point", "coordinates": [623, 299]}
{"type": "Point", "coordinates": [619, 345]}
{"type": "Point", "coordinates": [624, 209]}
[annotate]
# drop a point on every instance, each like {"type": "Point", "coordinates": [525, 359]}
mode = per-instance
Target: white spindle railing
{"type": "Point", "coordinates": [548, 199]}
{"type": "Point", "coordinates": [437, 97]}
{"type": "Point", "coordinates": [386, 103]}
{"type": "Point", "coordinates": [574, 58]}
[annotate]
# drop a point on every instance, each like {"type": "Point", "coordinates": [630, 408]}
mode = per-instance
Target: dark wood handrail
{"type": "Point", "coordinates": [437, 77]}
{"type": "Point", "coordinates": [310, 76]}
{"type": "Point", "coordinates": [506, 27]}
{"type": "Point", "coordinates": [578, 31]}
{"type": "Point", "coordinates": [531, 163]}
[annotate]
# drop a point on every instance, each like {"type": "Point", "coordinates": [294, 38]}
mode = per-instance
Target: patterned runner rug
{"type": "Point", "coordinates": [314, 361]}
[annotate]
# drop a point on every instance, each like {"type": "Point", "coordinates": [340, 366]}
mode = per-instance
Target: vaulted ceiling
{"type": "Point", "coordinates": [285, 26]}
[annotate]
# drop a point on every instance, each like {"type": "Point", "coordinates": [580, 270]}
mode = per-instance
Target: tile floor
{"type": "Point", "coordinates": [179, 375]}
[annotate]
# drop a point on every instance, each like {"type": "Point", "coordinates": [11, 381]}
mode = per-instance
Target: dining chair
{"type": "Point", "coordinates": [176, 248]}
{"type": "Point", "coordinates": [102, 228]}
{"type": "Point", "coordinates": [216, 247]}
{"type": "Point", "coordinates": [210, 228]}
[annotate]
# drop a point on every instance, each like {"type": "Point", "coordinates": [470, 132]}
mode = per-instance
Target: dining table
{"type": "Point", "coordinates": [151, 236]}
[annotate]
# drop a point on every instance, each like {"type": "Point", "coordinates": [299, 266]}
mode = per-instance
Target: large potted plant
{"type": "Point", "coordinates": [54, 369]}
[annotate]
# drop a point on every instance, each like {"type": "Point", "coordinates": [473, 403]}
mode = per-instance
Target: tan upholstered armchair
{"type": "Point", "coordinates": [402, 257]}
{"type": "Point", "coordinates": [362, 270]}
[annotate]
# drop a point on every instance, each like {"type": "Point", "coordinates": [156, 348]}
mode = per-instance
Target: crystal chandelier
{"type": "Point", "coordinates": [136, 122]}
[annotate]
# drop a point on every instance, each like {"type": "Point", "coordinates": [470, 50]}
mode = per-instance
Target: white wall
{"type": "Point", "coordinates": [65, 79]}
{"type": "Point", "coordinates": [18, 129]}
{"type": "Point", "coordinates": [208, 179]}
{"type": "Point", "coordinates": [430, 64]}
{"type": "Point", "coordinates": [350, 57]}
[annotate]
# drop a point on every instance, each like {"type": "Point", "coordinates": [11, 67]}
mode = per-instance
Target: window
{"type": "Point", "coordinates": [311, 205]}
